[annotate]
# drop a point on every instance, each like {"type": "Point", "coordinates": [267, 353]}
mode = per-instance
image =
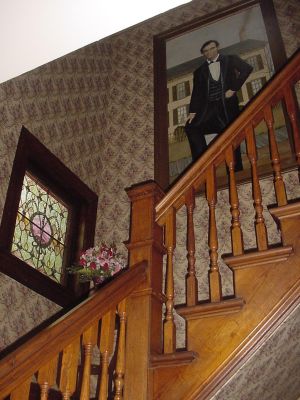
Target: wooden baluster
{"type": "Point", "coordinates": [89, 340]}
{"type": "Point", "coordinates": [191, 279]}
{"type": "Point", "coordinates": [236, 232]}
{"type": "Point", "coordinates": [170, 243]}
{"type": "Point", "coordinates": [120, 367]}
{"type": "Point", "coordinates": [46, 377]}
{"type": "Point", "coordinates": [69, 367]}
{"type": "Point", "coordinates": [260, 227]}
{"type": "Point", "coordinates": [106, 349]}
{"type": "Point", "coordinates": [21, 392]}
{"type": "Point", "coordinates": [278, 180]}
{"type": "Point", "coordinates": [214, 273]}
{"type": "Point", "coordinates": [292, 111]}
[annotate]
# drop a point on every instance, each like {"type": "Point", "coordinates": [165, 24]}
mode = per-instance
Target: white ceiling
{"type": "Point", "coordinates": [34, 32]}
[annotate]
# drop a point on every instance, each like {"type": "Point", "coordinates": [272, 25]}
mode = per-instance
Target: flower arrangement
{"type": "Point", "coordinates": [98, 263]}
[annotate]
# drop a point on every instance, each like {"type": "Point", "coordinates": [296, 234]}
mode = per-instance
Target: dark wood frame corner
{"type": "Point", "coordinates": [34, 157]}
{"type": "Point", "coordinates": [161, 151]}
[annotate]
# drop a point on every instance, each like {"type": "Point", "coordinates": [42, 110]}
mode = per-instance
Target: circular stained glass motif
{"type": "Point", "coordinates": [41, 229]}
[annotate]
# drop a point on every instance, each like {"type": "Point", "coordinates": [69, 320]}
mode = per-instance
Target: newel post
{"type": "Point", "coordinates": [144, 307]}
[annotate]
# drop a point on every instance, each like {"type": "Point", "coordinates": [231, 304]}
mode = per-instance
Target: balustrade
{"type": "Point", "coordinates": [57, 350]}
{"type": "Point", "coordinates": [120, 367]}
{"type": "Point", "coordinates": [169, 325]}
{"type": "Point", "coordinates": [55, 354]}
{"type": "Point", "coordinates": [236, 232]}
{"type": "Point", "coordinates": [275, 158]}
{"type": "Point", "coordinates": [191, 280]}
{"type": "Point", "coordinates": [203, 173]}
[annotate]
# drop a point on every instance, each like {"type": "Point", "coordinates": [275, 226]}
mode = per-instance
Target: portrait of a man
{"type": "Point", "coordinates": [212, 72]}
{"type": "Point", "coordinates": [214, 103]}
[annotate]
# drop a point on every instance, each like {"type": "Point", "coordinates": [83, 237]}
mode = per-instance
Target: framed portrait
{"type": "Point", "coordinates": [249, 30]}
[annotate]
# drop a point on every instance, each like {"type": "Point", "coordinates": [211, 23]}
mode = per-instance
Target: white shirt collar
{"type": "Point", "coordinates": [214, 60]}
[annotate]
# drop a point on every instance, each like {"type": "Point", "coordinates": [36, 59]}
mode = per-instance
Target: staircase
{"type": "Point", "coordinates": [222, 330]}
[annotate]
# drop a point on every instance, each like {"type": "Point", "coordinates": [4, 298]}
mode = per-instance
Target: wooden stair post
{"type": "Point", "coordinates": [144, 307]}
{"type": "Point", "coordinates": [226, 330]}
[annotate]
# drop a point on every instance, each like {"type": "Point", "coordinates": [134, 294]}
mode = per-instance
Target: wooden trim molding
{"type": "Point", "coordinates": [35, 280]}
{"type": "Point", "coordinates": [257, 258]}
{"type": "Point", "coordinates": [206, 310]}
{"type": "Point", "coordinates": [173, 359]}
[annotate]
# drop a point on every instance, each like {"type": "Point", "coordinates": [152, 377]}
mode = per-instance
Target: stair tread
{"type": "Point", "coordinates": [177, 358]}
{"type": "Point", "coordinates": [204, 310]}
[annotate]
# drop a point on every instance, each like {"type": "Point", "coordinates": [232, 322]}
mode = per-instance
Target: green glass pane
{"type": "Point", "coordinates": [52, 260]}
{"type": "Point", "coordinates": [41, 229]}
{"type": "Point", "coordinates": [24, 245]}
{"type": "Point", "coordinates": [58, 217]}
{"type": "Point", "coordinates": [31, 198]}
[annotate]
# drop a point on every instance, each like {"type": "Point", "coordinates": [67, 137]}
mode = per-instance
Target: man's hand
{"type": "Point", "coordinates": [229, 93]}
{"type": "Point", "coordinates": [190, 117]}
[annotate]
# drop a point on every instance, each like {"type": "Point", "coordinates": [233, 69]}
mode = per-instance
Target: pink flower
{"type": "Point", "coordinates": [105, 267]}
{"type": "Point", "coordinates": [100, 262]}
{"type": "Point", "coordinates": [89, 252]}
{"type": "Point", "coordinates": [93, 265]}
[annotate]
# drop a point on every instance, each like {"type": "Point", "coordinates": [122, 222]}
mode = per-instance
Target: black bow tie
{"type": "Point", "coordinates": [210, 62]}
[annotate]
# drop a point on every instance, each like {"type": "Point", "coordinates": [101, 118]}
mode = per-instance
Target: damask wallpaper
{"type": "Point", "coordinates": [272, 372]}
{"type": "Point", "coordinates": [223, 218]}
{"type": "Point", "coordinates": [94, 109]}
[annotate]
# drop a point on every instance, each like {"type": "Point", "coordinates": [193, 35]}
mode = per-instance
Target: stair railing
{"type": "Point", "coordinates": [153, 222]}
{"type": "Point", "coordinates": [51, 359]}
{"type": "Point", "coordinates": [203, 173]}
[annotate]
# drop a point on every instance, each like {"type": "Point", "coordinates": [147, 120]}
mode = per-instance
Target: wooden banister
{"type": "Point", "coordinates": [17, 368]}
{"type": "Point", "coordinates": [203, 174]}
{"type": "Point", "coordinates": [236, 232]}
{"type": "Point", "coordinates": [169, 325]}
{"type": "Point", "coordinates": [263, 272]}
{"type": "Point", "coordinates": [278, 88]}
{"type": "Point", "coordinates": [136, 296]}
{"type": "Point", "coordinates": [120, 367]}
{"type": "Point", "coordinates": [191, 279]}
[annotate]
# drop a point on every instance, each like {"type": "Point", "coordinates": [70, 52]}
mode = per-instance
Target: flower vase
{"type": "Point", "coordinates": [97, 281]}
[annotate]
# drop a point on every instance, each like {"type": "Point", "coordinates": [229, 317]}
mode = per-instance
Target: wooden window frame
{"type": "Point", "coordinates": [33, 157]}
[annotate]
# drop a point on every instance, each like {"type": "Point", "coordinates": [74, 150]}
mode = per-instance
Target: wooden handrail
{"type": "Point", "coordinates": [148, 241]}
{"type": "Point", "coordinates": [20, 365]}
{"type": "Point", "coordinates": [203, 172]}
{"type": "Point", "coordinates": [235, 134]}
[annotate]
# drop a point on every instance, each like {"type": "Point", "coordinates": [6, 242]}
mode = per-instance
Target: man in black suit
{"type": "Point", "coordinates": [214, 103]}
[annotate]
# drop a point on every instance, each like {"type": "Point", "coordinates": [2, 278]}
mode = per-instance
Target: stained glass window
{"type": "Point", "coordinates": [41, 229]}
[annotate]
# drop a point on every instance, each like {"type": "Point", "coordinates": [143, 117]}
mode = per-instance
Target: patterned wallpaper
{"type": "Point", "coordinates": [223, 217]}
{"type": "Point", "coordinates": [272, 372]}
{"type": "Point", "coordinates": [20, 310]}
{"type": "Point", "coordinates": [93, 109]}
